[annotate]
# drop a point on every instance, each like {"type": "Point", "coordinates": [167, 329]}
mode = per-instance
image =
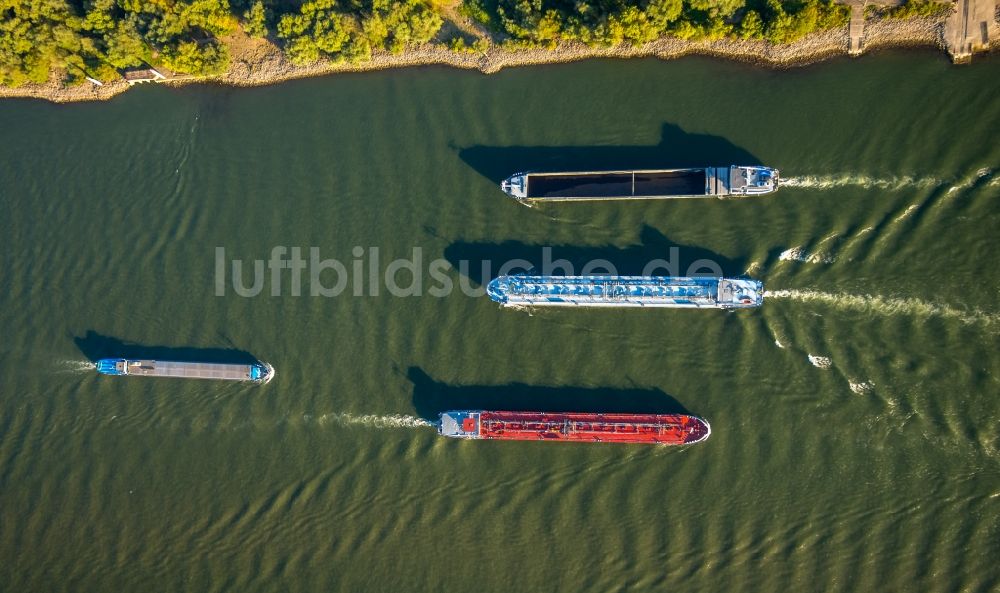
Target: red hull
{"type": "Point", "coordinates": [670, 429]}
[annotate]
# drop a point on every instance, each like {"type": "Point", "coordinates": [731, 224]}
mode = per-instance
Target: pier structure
{"type": "Point", "coordinates": [970, 28]}
{"type": "Point", "coordinates": [857, 27]}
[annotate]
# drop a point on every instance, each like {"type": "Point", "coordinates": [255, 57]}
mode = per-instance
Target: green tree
{"type": "Point", "coordinates": [213, 16]}
{"type": "Point", "coordinates": [779, 22]}
{"type": "Point", "coordinates": [785, 23]}
{"type": "Point", "coordinates": [663, 12]}
{"type": "Point", "coordinates": [37, 37]}
{"type": "Point", "coordinates": [319, 30]}
{"type": "Point", "coordinates": [99, 16]}
{"type": "Point", "coordinates": [752, 26]}
{"type": "Point", "coordinates": [255, 20]}
{"type": "Point", "coordinates": [685, 29]}
{"type": "Point", "coordinates": [716, 8]}
{"type": "Point", "coordinates": [913, 8]}
{"type": "Point", "coordinates": [392, 24]}
{"type": "Point", "coordinates": [124, 46]}
{"type": "Point", "coordinates": [196, 58]}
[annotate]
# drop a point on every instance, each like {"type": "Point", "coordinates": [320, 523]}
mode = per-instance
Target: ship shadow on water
{"type": "Point", "coordinates": [96, 346]}
{"type": "Point", "coordinates": [676, 149]}
{"type": "Point", "coordinates": [431, 397]}
{"type": "Point", "coordinates": [482, 261]}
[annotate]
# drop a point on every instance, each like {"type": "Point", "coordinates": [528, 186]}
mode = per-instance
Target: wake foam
{"type": "Point", "coordinates": [799, 254]}
{"type": "Point", "coordinates": [75, 366]}
{"type": "Point", "coordinates": [861, 387]}
{"type": "Point", "coordinates": [970, 181]}
{"type": "Point", "coordinates": [375, 421]}
{"type": "Point", "coordinates": [909, 210]}
{"type": "Point", "coordinates": [820, 362]}
{"type": "Point", "coordinates": [846, 179]}
{"type": "Point", "coordinates": [985, 175]}
{"type": "Point", "coordinates": [888, 306]}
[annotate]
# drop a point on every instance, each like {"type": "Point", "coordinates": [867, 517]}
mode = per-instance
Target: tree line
{"type": "Point", "coordinates": [610, 22]}
{"type": "Point", "coordinates": [97, 38]}
{"type": "Point", "coordinates": [100, 38]}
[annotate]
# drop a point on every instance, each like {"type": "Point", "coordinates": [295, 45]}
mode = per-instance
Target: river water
{"type": "Point", "coordinates": [855, 439]}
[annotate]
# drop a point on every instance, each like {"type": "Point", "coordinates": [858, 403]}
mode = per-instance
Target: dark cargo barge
{"type": "Point", "coordinates": [642, 185]}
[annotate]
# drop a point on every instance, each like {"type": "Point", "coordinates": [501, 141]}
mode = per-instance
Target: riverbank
{"type": "Point", "coordinates": [258, 62]}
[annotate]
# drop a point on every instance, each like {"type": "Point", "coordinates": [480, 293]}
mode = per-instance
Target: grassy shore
{"type": "Point", "coordinates": [257, 62]}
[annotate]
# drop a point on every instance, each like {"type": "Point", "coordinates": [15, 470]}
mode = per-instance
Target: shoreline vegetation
{"type": "Point", "coordinates": [80, 50]}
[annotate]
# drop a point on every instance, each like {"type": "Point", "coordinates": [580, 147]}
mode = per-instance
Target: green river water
{"type": "Point", "coordinates": [855, 442]}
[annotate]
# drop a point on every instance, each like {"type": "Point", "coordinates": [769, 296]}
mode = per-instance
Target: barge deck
{"type": "Point", "coordinates": [256, 372]}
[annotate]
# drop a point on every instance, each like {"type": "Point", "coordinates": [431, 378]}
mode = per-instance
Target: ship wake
{"type": "Point", "coordinates": [889, 306]}
{"type": "Point", "coordinates": [801, 255]}
{"type": "Point", "coordinates": [75, 366]}
{"type": "Point", "coordinates": [984, 175]}
{"type": "Point", "coordinates": [848, 180]}
{"type": "Point", "coordinates": [376, 421]}
{"type": "Point", "coordinates": [820, 362]}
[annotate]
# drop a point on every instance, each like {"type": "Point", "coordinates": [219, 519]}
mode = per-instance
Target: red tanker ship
{"type": "Point", "coordinates": [663, 429]}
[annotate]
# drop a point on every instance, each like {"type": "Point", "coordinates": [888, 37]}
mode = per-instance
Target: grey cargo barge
{"type": "Point", "coordinates": [258, 372]}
